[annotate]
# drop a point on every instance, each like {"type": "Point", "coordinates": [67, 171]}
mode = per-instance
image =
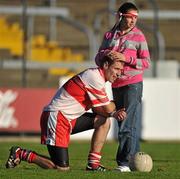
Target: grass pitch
{"type": "Point", "coordinates": [165, 155]}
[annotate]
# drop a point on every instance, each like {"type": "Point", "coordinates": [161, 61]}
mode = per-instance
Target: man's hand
{"type": "Point", "coordinates": [120, 114]}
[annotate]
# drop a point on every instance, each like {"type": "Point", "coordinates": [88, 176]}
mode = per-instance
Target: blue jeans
{"type": "Point", "coordinates": [129, 130]}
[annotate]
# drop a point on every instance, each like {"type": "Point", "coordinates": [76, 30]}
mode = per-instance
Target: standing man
{"type": "Point", "coordinates": [127, 43]}
{"type": "Point", "coordinates": [67, 114]}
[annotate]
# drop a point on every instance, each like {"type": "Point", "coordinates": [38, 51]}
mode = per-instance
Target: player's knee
{"type": "Point", "coordinates": [63, 164]}
{"type": "Point", "coordinates": [63, 168]}
{"type": "Point", "coordinates": [105, 126]}
{"type": "Point", "coordinates": [59, 156]}
{"type": "Point", "coordinates": [102, 122]}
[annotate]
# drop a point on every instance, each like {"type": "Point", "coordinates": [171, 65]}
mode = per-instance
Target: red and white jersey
{"type": "Point", "coordinates": [79, 94]}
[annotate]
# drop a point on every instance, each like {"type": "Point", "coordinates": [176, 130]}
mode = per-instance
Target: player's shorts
{"type": "Point", "coordinates": [56, 129]}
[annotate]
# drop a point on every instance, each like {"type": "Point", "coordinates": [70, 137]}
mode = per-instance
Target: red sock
{"type": "Point", "coordinates": [94, 159]}
{"type": "Point", "coordinates": [28, 155]}
{"type": "Point", "coordinates": [32, 157]}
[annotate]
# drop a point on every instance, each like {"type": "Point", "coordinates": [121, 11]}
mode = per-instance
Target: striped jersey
{"type": "Point", "coordinates": [79, 94]}
{"type": "Point", "coordinates": [134, 46]}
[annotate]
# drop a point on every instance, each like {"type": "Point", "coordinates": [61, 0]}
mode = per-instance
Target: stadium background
{"type": "Point", "coordinates": [43, 43]}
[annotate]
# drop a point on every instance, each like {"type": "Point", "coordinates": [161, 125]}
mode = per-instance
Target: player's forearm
{"type": "Point", "coordinates": [105, 110]}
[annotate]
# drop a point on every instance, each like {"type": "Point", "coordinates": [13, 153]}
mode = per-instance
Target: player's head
{"type": "Point", "coordinates": [124, 8]}
{"type": "Point", "coordinates": [111, 67]}
{"type": "Point", "coordinates": [127, 15]}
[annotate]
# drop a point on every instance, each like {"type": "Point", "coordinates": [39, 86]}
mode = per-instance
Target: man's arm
{"type": "Point", "coordinates": [105, 110]}
{"type": "Point", "coordinates": [110, 111]}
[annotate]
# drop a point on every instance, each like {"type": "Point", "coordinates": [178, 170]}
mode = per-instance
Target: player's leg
{"type": "Point", "coordinates": [101, 126]}
{"type": "Point", "coordinates": [55, 133]}
{"type": "Point", "coordinates": [18, 154]}
{"type": "Point", "coordinates": [60, 137]}
{"type": "Point", "coordinates": [59, 156]}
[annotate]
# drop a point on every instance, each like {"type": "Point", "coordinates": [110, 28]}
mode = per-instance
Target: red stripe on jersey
{"type": "Point", "coordinates": [98, 92]}
{"type": "Point", "coordinates": [78, 91]}
{"type": "Point", "coordinates": [98, 101]}
{"type": "Point", "coordinates": [100, 97]}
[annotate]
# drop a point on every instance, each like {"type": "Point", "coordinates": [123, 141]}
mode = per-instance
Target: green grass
{"type": "Point", "coordinates": [166, 161]}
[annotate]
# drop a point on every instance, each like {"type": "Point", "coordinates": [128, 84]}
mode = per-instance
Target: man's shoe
{"type": "Point", "coordinates": [13, 159]}
{"type": "Point", "coordinates": [123, 169]}
{"type": "Point", "coordinates": [100, 168]}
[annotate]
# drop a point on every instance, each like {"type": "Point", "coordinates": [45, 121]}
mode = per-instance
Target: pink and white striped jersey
{"type": "Point", "coordinates": [79, 94]}
{"type": "Point", "coordinates": [134, 46]}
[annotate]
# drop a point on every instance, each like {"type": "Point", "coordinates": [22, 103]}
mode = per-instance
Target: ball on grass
{"type": "Point", "coordinates": [141, 162]}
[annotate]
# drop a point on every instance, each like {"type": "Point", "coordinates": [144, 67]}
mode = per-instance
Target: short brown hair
{"type": "Point", "coordinates": [107, 59]}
